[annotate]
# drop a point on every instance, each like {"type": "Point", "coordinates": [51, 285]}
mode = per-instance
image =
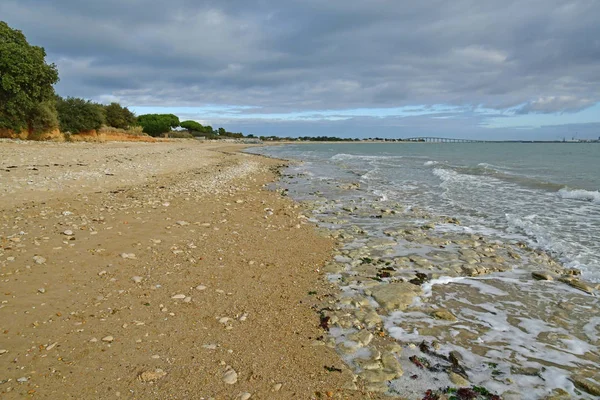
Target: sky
{"type": "Point", "coordinates": [484, 69]}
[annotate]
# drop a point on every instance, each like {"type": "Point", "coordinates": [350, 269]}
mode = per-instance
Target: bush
{"type": "Point", "coordinates": [180, 135]}
{"type": "Point", "coordinates": [158, 124]}
{"type": "Point", "coordinates": [44, 118]}
{"type": "Point", "coordinates": [78, 115]}
{"type": "Point", "coordinates": [118, 116]}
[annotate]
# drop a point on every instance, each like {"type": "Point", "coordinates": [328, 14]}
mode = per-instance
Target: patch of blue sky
{"type": "Point", "coordinates": [538, 120]}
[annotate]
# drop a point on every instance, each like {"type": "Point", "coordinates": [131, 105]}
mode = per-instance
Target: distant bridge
{"type": "Point", "coordinates": [441, 140]}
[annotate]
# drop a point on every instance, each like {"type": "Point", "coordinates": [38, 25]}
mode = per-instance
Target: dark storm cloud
{"type": "Point", "coordinates": [540, 55]}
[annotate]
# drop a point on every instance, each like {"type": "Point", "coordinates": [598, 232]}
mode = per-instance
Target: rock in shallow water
{"type": "Point", "coordinates": [541, 276]}
{"type": "Point", "coordinates": [444, 314]}
{"type": "Point", "coordinates": [395, 296]}
{"type": "Point", "coordinates": [587, 385]}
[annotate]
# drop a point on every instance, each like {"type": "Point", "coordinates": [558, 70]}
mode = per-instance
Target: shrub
{"type": "Point", "coordinates": [44, 118]}
{"type": "Point", "coordinates": [180, 135]}
{"type": "Point", "coordinates": [118, 116]}
{"type": "Point", "coordinates": [78, 115]}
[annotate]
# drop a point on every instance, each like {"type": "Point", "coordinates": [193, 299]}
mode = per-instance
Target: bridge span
{"type": "Point", "coordinates": [429, 139]}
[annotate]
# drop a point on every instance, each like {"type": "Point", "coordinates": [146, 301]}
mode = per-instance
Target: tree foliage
{"type": "Point", "coordinates": [158, 124]}
{"type": "Point", "coordinates": [26, 80]}
{"type": "Point", "coordinates": [44, 118]}
{"type": "Point", "coordinates": [118, 116]}
{"type": "Point", "coordinates": [78, 115]}
{"type": "Point", "coordinates": [192, 126]}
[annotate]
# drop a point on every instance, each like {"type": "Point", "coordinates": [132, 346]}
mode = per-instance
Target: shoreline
{"type": "Point", "coordinates": [164, 282]}
{"type": "Point", "coordinates": [468, 309]}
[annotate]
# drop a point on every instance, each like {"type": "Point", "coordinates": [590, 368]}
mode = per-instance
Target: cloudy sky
{"type": "Point", "coordinates": [489, 69]}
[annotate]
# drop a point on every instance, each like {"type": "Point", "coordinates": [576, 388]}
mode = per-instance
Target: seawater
{"type": "Point", "coordinates": [538, 203]}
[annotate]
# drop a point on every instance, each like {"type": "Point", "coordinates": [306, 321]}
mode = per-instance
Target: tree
{"type": "Point", "coordinates": [222, 132]}
{"type": "Point", "coordinates": [78, 115]}
{"type": "Point", "coordinates": [157, 124]}
{"type": "Point", "coordinates": [25, 79]}
{"type": "Point", "coordinates": [118, 116]}
{"type": "Point", "coordinates": [192, 126]}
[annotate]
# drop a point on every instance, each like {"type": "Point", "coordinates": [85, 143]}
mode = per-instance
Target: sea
{"type": "Point", "coordinates": [540, 200]}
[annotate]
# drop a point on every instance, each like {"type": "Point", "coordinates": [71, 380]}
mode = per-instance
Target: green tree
{"type": "Point", "coordinates": [78, 115]}
{"type": "Point", "coordinates": [118, 116]}
{"type": "Point", "coordinates": [222, 132]}
{"type": "Point", "coordinates": [192, 126]}
{"type": "Point", "coordinates": [158, 124]}
{"type": "Point", "coordinates": [26, 80]}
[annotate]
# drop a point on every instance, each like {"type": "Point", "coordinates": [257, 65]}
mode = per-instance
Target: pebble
{"type": "Point", "coordinates": [129, 256]}
{"type": "Point", "coordinates": [108, 339]}
{"type": "Point", "coordinates": [541, 276]}
{"type": "Point", "coordinates": [152, 376]}
{"type": "Point", "coordinates": [230, 377]}
{"type": "Point", "coordinates": [245, 396]}
{"type": "Point", "coordinates": [277, 387]}
{"type": "Point", "coordinates": [179, 297]}
{"type": "Point", "coordinates": [68, 232]}
{"type": "Point", "coordinates": [102, 273]}
{"type": "Point", "coordinates": [182, 223]}
{"type": "Point", "coordinates": [42, 290]}
{"type": "Point", "coordinates": [3, 351]}
{"type": "Point", "coordinates": [187, 299]}
{"type": "Point", "coordinates": [137, 279]}
{"type": "Point", "coordinates": [200, 287]}
{"type": "Point", "coordinates": [39, 259]}
{"type": "Point", "coordinates": [22, 379]}
{"type": "Point", "coordinates": [458, 380]}
{"type": "Point", "coordinates": [51, 346]}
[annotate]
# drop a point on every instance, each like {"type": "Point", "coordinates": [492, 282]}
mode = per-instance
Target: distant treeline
{"type": "Point", "coordinates": [28, 101]}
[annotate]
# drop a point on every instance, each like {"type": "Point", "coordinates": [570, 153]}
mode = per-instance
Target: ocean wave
{"type": "Point", "coordinates": [429, 163]}
{"type": "Point", "coordinates": [578, 194]}
{"type": "Point", "coordinates": [347, 157]}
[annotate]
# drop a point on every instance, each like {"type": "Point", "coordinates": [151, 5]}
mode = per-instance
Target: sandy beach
{"type": "Point", "coordinates": [165, 270]}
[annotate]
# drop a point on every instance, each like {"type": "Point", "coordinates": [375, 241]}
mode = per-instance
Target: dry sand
{"type": "Point", "coordinates": [160, 270]}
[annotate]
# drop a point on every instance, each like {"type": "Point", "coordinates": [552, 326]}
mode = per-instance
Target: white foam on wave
{"type": "Point", "coordinates": [429, 163]}
{"type": "Point", "coordinates": [579, 194]}
{"type": "Point", "coordinates": [346, 157]}
{"type": "Point", "coordinates": [443, 280]}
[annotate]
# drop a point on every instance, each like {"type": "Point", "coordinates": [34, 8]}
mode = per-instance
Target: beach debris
{"type": "Point", "coordinates": [128, 256]}
{"type": "Point", "coordinates": [108, 339]}
{"type": "Point", "coordinates": [51, 346]}
{"type": "Point", "coordinates": [276, 387]}
{"type": "Point", "coordinates": [230, 376]}
{"type": "Point", "coordinates": [39, 259]}
{"type": "Point", "coordinates": [152, 375]}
